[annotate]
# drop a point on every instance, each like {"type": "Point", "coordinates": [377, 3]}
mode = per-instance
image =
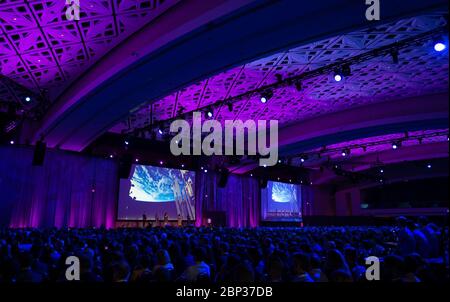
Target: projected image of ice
{"type": "Point", "coordinates": [156, 192]}
{"type": "Point", "coordinates": [283, 192]}
{"type": "Point", "coordinates": [281, 202]}
{"type": "Point", "coordinates": [152, 184]}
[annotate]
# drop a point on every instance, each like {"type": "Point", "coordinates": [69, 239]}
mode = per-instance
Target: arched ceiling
{"type": "Point", "coordinates": [420, 71]}
{"type": "Point", "coordinates": [127, 58]}
{"type": "Point", "coordinates": [381, 102]}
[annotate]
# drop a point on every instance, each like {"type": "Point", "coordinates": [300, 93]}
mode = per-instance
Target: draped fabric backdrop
{"type": "Point", "coordinates": [307, 200]}
{"type": "Point", "coordinates": [68, 190]}
{"type": "Point", "coordinates": [239, 199]}
{"type": "Point", "coordinates": [79, 191]}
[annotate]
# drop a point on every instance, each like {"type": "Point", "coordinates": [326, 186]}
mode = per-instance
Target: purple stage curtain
{"type": "Point", "coordinates": [68, 190]}
{"type": "Point", "coordinates": [239, 199]}
{"type": "Point", "coordinates": [307, 200]}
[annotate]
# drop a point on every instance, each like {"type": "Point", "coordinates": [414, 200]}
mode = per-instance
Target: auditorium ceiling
{"type": "Point", "coordinates": [43, 51]}
{"type": "Point", "coordinates": [419, 71]}
{"type": "Point", "coordinates": [360, 148]}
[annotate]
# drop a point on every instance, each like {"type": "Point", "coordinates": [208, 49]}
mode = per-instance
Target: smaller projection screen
{"type": "Point", "coordinates": [281, 202]}
{"type": "Point", "coordinates": [156, 191]}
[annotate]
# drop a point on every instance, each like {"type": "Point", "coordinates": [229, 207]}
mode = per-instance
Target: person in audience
{"type": "Point", "coordinates": [301, 267]}
{"type": "Point", "coordinates": [163, 261]}
{"type": "Point", "coordinates": [200, 268]}
{"type": "Point", "coordinates": [406, 240]}
{"type": "Point", "coordinates": [316, 272]}
{"type": "Point", "coordinates": [275, 269]}
{"type": "Point", "coordinates": [357, 270]}
{"type": "Point", "coordinates": [87, 273]}
{"type": "Point", "coordinates": [410, 267]}
{"type": "Point", "coordinates": [120, 272]}
{"type": "Point", "coordinates": [422, 244]}
{"type": "Point", "coordinates": [26, 273]}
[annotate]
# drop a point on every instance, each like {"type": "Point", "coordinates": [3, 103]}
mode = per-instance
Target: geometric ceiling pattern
{"type": "Point", "coordinates": [419, 71]}
{"type": "Point", "coordinates": [41, 49]}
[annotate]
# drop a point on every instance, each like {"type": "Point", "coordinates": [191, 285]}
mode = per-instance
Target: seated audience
{"type": "Point", "coordinates": [408, 252]}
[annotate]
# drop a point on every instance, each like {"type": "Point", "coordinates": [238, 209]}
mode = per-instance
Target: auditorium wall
{"type": "Point", "coordinates": [239, 200]}
{"type": "Point", "coordinates": [67, 190]}
{"type": "Point", "coordinates": [348, 203]}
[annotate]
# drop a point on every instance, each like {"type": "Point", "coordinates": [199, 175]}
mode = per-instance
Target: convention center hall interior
{"type": "Point", "coordinates": [222, 142]}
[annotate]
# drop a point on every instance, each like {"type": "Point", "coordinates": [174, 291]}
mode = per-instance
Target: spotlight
{"type": "Point", "coordinates": [439, 46]}
{"type": "Point", "coordinates": [396, 145]}
{"type": "Point", "coordinates": [266, 95]}
{"type": "Point", "coordinates": [27, 99]}
{"type": "Point", "coordinates": [182, 165]}
{"type": "Point", "coordinates": [161, 162]}
{"type": "Point", "coordinates": [303, 158]}
{"type": "Point", "coordinates": [344, 71]}
{"type": "Point", "coordinates": [160, 131]}
{"type": "Point", "coordinates": [337, 77]}
{"type": "Point", "coordinates": [137, 160]}
{"type": "Point", "coordinates": [345, 152]}
{"type": "Point", "coordinates": [111, 156]}
{"type": "Point", "coordinates": [206, 171]}
{"type": "Point", "coordinates": [127, 143]}
{"type": "Point", "coordinates": [209, 113]}
{"type": "Point", "coordinates": [429, 166]}
{"type": "Point", "coordinates": [381, 171]}
{"type": "Point", "coordinates": [11, 142]}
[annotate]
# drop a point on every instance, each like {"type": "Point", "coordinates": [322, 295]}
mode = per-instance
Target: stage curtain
{"type": "Point", "coordinates": [307, 200]}
{"type": "Point", "coordinates": [239, 199]}
{"type": "Point", "coordinates": [68, 190]}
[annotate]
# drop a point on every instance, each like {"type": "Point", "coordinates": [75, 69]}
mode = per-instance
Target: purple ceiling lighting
{"type": "Point", "coordinates": [419, 71]}
{"type": "Point", "coordinates": [377, 144]}
{"type": "Point", "coordinates": [40, 49]}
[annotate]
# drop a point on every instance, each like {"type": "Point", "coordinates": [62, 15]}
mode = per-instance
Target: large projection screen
{"type": "Point", "coordinates": [156, 191]}
{"type": "Point", "coordinates": [281, 202]}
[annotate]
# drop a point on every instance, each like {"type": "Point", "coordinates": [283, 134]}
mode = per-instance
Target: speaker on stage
{"type": "Point", "coordinates": [39, 153]}
{"type": "Point", "coordinates": [223, 178]}
{"type": "Point", "coordinates": [125, 163]}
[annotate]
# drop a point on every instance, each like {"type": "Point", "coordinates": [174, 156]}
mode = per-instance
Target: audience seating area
{"type": "Point", "coordinates": [410, 251]}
